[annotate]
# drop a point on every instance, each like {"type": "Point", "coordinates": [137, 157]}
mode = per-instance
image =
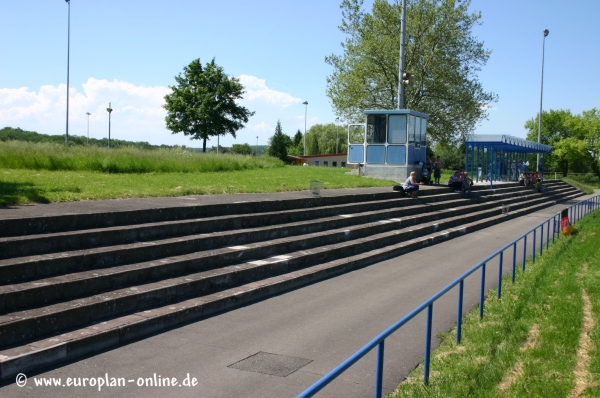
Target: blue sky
{"type": "Point", "coordinates": [127, 52]}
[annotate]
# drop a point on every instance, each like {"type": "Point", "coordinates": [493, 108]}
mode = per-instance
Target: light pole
{"type": "Point", "coordinates": [256, 145]}
{"type": "Point", "coordinates": [68, 51]}
{"type": "Point", "coordinates": [88, 115]}
{"type": "Point", "coordinates": [109, 110]}
{"type": "Point", "coordinates": [546, 31]}
{"type": "Point", "coordinates": [305, 103]}
{"type": "Point", "coordinates": [402, 55]}
{"type": "Point", "coordinates": [337, 134]}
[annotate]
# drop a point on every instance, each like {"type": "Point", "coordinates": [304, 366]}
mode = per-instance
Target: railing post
{"type": "Point", "coordinates": [379, 371]}
{"type": "Point", "coordinates": [500, 260]}
{"type": "Point", "coordinates": [427, 344]}
{"type": "Point", "coordinates": [541, 239]}
{"type": "Point", "coordinates": [548, 235]}
{"type": "Point", "coordinates": [514, 265]}
{"type": "Point", "coordinates": [533, 243]}
{"type": "Point", "coordinates": [461, 287]}
{"type": "Point", "coordinates": [524, 251]}
{"type": "Point", "coordinates": [482, 291]}
{"type": "Point", "coordinates": [553, 228]}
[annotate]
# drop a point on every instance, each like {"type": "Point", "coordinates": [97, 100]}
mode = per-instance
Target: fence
{"type": "Point", "coordinates": [576, 212]}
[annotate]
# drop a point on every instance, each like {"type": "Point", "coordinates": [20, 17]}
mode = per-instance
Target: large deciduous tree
{"type": "Point", "coordinates": [322, 138]}
{"type": "Point", "coordinates": [203, 103]}
{"type": "Point", "coordinates": [442, 55]}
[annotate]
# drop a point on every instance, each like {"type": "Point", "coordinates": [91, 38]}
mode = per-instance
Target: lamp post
{"type": "Point", "coordinates": [546, 31]}
{"type": "Point", "coordinates": [68, 51]}
{"type": "Point", "coordinates": [256, 145]}
{"type": "Point", "coordinates": [337, 134]}
{"type": "Point", "coordinates": [88, 115]}
{"type": "Point", "coordinates": [402, 55]}
{"type": "Point", "coordinates": [109, 110]}
{"type": "Point", "coordinates": [305, 103]}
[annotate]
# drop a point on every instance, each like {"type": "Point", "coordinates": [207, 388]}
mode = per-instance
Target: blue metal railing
{"type": "Point", "coordinates": [576, 212]}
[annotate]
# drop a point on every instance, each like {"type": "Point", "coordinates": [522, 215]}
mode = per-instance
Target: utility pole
{"type": "Point", "coordinates": [546, 32]}
{"type": "Point", "coordinates": [401, 75]}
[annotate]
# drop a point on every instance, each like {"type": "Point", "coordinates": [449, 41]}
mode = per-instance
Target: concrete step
{"type": "Point", "coordinates": [77, 239]}
{"type": "Point", "coordinates": [204, 272]}
{"type": "Point", "coordinates": [20, 269]}
{"type": "Point", "coordinates": [290, 273]}
{"type": "Point", "coordinates": [29, 268]}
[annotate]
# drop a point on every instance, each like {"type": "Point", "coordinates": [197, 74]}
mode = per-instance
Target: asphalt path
{"type": "Point", "coordinates": [313, 328]}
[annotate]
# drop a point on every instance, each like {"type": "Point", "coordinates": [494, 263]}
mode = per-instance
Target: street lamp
{"type": "Point", "coordinates": [337, 134]}
{"type": "Point", "coordinates": [256, 145]}
{"type": "Point", "coordinates": [88, 115]}
{"type": "Point", "coordinates": [305, 103]}
{"type": "Point", "coordinates": [546, 31]}
{"type": "Point", "coordinates": [401, 71]}
{"type": "Point", "coordinates": [109, 110]}
{"type": "Point", "coordinates": [68, 51]}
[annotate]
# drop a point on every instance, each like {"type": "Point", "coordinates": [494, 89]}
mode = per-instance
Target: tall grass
{"type": "Point", "coordinates": [588, 179]}
{"type": "Point", "coordinates": [53, 157]}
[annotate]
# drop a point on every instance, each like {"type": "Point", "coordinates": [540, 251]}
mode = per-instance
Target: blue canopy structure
{"type": "Point", "coordinates": [490, 157]}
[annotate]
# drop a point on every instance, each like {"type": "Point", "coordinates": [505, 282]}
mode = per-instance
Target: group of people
{"type": "Point", "coordinates": [529, 179]}
{"type": "Point", "coordinates": [460, 181]}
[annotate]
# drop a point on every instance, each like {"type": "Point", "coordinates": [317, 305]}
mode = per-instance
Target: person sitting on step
{"type": "Point", "coordinates": [455, 182]}
{"type": "Point", "coordinates": [466, 182]}
{"type": "Point", "coordinates": [411, 186]}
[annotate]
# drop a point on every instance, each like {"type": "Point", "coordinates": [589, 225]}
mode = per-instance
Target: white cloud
{"type": "Point", "coordinates": [137, 111]}
{"type": "Point", "coordinates": [262, 127]}
{"type": "Point", "coordinates": [256, 89]}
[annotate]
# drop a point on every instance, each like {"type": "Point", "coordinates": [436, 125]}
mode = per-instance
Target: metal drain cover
{"type": "Point", "coordinates": [271, 364]}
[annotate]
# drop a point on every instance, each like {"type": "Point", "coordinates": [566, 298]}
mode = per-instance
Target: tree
{"type": "Point", "coordinates": [321, 139]}
{"type": "Point", "coordinates": [442, 55]}
{"type": "Point", "coordinates": [451, 155]}
{"type": "Point", "coordinates": [589, 125]}
{"type": "Point", "coordinates": [203, 103]}
{"type": "Point", "coordinates": [242, 149]}
{"type": "Point", "coordinates": [278, 143]}
{"type": "Point", "coordinates": [574, 139]}
{"type": "Point", "coordinates": [297, 138]}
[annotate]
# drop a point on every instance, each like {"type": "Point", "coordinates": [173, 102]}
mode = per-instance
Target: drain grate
{"type": "Point", "coordinates": [271, 364]}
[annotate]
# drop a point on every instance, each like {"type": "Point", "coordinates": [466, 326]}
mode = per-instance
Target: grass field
{"type": "Point", "coordinates": [54, 157]}
{"type": "Point", "coordinates": [21, 186]}
{"type": "Point", "coordinates": [44, 173]}
{"type": "Point", "coordinates": [540, 340]}
{"type": "Point", "coordinates": [586, 183]}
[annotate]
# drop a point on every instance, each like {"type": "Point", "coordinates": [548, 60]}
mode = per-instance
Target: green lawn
{"type": "Point", "coordinates": [540, 340]}
{"type": "Point", "coordinates": [586, 183]}
{"type": "Point", "coordinates": [21, 186]}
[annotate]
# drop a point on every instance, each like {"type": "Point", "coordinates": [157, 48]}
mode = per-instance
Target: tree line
{"type": "Point", "coordinates": [17, 134]}
{"type": "Point", "coordinates": [575, 140]}
{"type": "Point", "coordinates": [321, 139]}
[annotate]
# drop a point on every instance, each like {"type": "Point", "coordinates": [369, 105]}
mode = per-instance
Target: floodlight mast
{"type": "Point", "coordinates": [68, 51]}
{"type": "Point", "coordinates": [537, 167]}
{"type": "Point", "coordinates": [402, 55]}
